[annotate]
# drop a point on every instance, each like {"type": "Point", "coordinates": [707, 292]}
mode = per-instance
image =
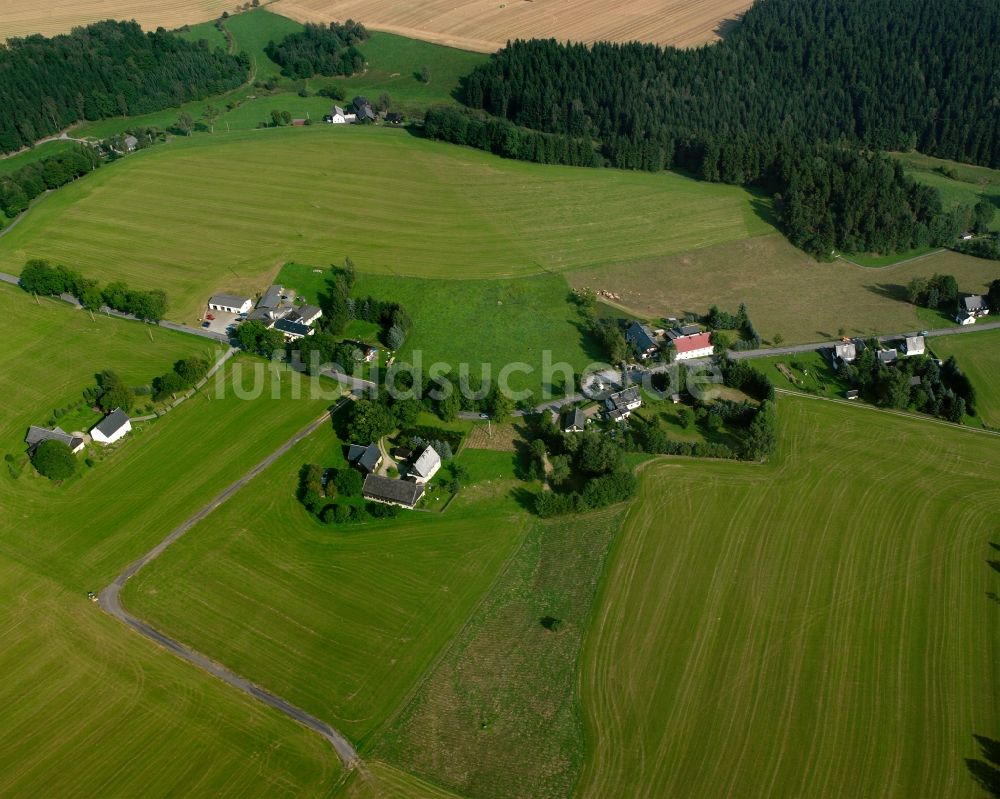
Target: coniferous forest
{"type": "Point", "coordinates": [796, 98]}
{"type": "Point", "coordinates": [103, 70]}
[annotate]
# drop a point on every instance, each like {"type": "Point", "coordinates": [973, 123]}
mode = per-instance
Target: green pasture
{"type": "Point", "coordinates": [91, 708]}
{"type": "Point", "coordinates": [818, 626]}
{"type": "Point", "coordinates": [224, 212]}
{"type": "Point", "coordinates": [979, 357]}
{"type": "Point", "coordinates": [206, 32]}
{"type": "Point", "coordinates": [485, 324]}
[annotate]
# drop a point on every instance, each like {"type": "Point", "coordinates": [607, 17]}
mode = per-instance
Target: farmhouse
{"type": "Point", "coordinates": [845, 352]}
{"type": "Point", "coordinates": [971, 308]}
{"type": "Point", "coordinates": [338, 116]}
{"type": "Point", "coordinates": [131, 142]}
{"type": "Point", "coordinates": [36, 435]}
{"type": "Point", "coordinates": [689, 347]}
{"type": "Point", "coordinates": [367, 459]}
{"type": "Point", "coordinates": [640, 337]}
{"type": "Point", "coordinates": [230, 303]}
{"type": "Point", "coordinates": [403, 493]}
{"type": "Point", "coordinates": [621, 404]}
{"type": "Point", "coordinates": [304, 315]}
{"type": "Point", "coordinates": [574, 421]}
{"type": "Point", "coordinates": [112, 427]}
{"type": "Point", "coordinates": [426, 466]}
{"type": "Point", "coordinates": [293, 331]}
{"type": "Point", "coordinates": [363, 110]}
{"type": "Point", "coordinates": [914, 345]}
{"type": "Point", "coordinates": [272, 298]}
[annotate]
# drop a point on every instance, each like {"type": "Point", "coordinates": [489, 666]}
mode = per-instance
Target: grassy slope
{"type": "Point", "coordinates": [977, 357]}
{"type": "Point", "coordinates": [502, 702]}
{"type": "Point", "coordinates": [396, 204]}
{"type": "Point", "coordinates": [974, 183]}
{"type": "Point", "coordinates": [813, 627]}
{"type": "Point", "coordinates": [501, 321]}
{"type": "Point", "coordinates": [207, 32]}
{"type": "Point", "coordinates": [90, 708]}
{"type": "Point", "coordinates": [786, 291]}
{"type": "Point", "coordinates": [15, 162]}
{"type": "Point", "coordinates": [253, 30]}
{"type": "Point", "coordinates": [342, 622]}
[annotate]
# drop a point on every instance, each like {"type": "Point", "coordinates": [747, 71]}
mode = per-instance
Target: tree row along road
{"type": "Point", "coordinates": [110, 601]}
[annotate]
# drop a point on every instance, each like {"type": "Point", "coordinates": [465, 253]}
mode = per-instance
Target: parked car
{"type": "Point", "coordinates": [206, 324]}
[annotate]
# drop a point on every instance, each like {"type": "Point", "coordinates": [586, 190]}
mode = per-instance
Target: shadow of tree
{"type": "Point", "coordinates": [891, 291]}
{"type": "Point", "coordinates": [985, 771]}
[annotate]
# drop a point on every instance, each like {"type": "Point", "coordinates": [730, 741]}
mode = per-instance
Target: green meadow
{"type": "Point", "coordinates": [978, 356]}
{"type": "Point", "coordinates": [489, 323]}
{"type": "Point", "coordinates": [91, 708]}
{"type": "Point", "coordinates": [817, 626]}
{"type": "Point", "coordinates": [13, 163]}
{"type": "Point", "coordinates": [959, 184]}
{"type": "Point", "coordinates": [222, 213]}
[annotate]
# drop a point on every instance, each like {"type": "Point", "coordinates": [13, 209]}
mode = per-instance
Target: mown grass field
{"type": "Point", "coordinates": [818, 626]}
{"type": "Point", "coordinates": [89, 707]}
{"type": "Point", "coordinates": [24, 17]}
{"type": "Point", "coordinates": [786, 291]}
{"type": "Point", "coordinates": [398, 205]}
{"type": "Point", "coordinates": [342, 621]}
{"type": "Point", "coordinates": [978, 355]}
{"type": "Point", "coordinates": [502, 701]}
{"type": "Point", "coordinates": [481, 323]}
{"type": "Point", "coordinates": [382, 781]}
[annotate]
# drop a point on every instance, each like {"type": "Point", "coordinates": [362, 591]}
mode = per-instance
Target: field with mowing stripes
{"type": "Point", "coordinates": [487, 26]}
{"type": "Point", "coordinates": [24, 17]}
{"type": "Point", "coordinates": [209, 214]}
{"type": "Point", "coordinates": [89, 707]}
{"type": "Point", "coordinates": [818, 626]}
{"type": "Point", "coordinates": [978, 355]}
{"type": "Point", "coordinates": [340, 621]}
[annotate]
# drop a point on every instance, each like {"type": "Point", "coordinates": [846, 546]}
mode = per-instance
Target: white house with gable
{"type": "Point", "coordinates": [112, 427]}
{"type": "Point", "coordinates": [426, 466]}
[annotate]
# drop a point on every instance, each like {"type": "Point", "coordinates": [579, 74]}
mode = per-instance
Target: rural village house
{"type": "Point", "coordinates": [426, 466]}
{"type": "Point", "coordinates": [404, 493]}
{"type": "Point", "coordinates": [574, 421]}
{"type": "Point", "coordinates": [845, 352]}
{"type": "Point", "coordinates": [914, 345]}
{"type": "Point", "coordinates": [971, 308]}
{"type": "Point", "coordinates": [366, 458]}
{"type": "Point", "coordinates": [640, 337]}
{"type": "Point", "coordinates": [689, 347]}
{"type": "Point", "coordinates": [621, 404]}
{"type": "Point", "coordinates": [36, 435]}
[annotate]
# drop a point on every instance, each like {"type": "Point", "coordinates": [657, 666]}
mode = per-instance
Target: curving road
{"type": "Point", "coordinates": [110, 601]}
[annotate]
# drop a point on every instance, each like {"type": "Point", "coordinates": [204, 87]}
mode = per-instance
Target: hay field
{"type": "Point", "coordinates": [24, 17]}
{"type": "Point", "coordinates": [819, 626]}
{"type": "Point", "coordinates": [222, 212]}
{"type": "Point", "coordinates": [90, 708]}
{"type": "Point", "coordinates": [486, 25]}
{"type": "Point", "coordinates": [786, 291]}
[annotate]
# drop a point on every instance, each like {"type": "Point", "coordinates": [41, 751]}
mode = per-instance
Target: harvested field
{"type": "Point", "coordinates": [786, 291]}
{"type": "Point", "coordinates": [23, 17]}
{"type": "Point", "coordinates": [486, 25]}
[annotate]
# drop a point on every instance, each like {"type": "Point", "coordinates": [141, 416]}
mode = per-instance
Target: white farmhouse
{"type": "Point", "coordinates": [426, 466]}
{"type": "Point", "coordinates": [112, 427]}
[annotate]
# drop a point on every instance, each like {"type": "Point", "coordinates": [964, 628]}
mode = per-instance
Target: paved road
{"type": "Point", "coordinates": [793, 349]}
{"type": "Point", "coordinates": [111, 603]}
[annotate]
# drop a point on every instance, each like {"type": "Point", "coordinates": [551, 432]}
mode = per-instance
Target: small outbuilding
{"type": "Point", "coordinates": [230, 303]}
{"type": "Point", "coordinates": [366, 458]}
{"type": "Point", "coordinates": [112, 427]}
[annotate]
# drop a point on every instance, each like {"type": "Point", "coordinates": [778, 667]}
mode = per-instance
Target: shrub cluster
{"type": "Point", "coordinates": [40, 277]}
{"type": "Point", "coordinates": [185, 374]}
{"type": "Point", "coordinates": [320, 50]}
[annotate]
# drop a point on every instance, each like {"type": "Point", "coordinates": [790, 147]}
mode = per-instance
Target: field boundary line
{"type": "Point", "coordinates": [905, 261]}
{"type": "Point", "coordinates": [110, 602]}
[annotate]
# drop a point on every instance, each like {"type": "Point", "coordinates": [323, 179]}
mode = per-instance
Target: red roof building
{"type": "Point", "coordinates": [696, 346]}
